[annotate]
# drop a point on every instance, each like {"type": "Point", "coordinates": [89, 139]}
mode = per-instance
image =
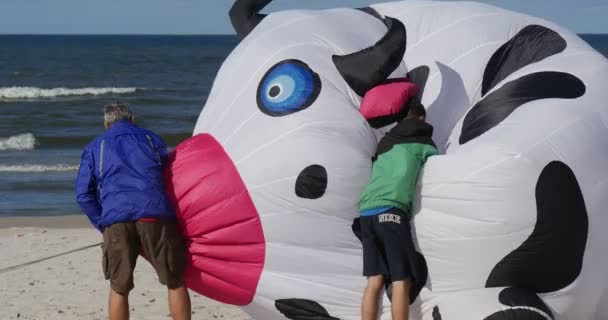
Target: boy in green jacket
{"type": "Point", "coordinates": [386, 203]}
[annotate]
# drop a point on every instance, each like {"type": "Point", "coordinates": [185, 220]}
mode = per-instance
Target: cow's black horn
{"type": "Point", "coordinates": [245, 15]}
{"type": "Point", "coordinates": [367, 68]}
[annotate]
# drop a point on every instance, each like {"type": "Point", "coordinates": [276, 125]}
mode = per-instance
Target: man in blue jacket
{"type": "Point", "coordinates": [120, 188]}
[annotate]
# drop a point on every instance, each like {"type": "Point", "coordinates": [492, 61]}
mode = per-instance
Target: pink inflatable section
{"type": "Point", "coordinates": [219, 221]}
{"type": "Point", "coordinates": [388, 99]}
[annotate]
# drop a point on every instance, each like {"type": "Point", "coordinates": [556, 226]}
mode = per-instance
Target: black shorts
{"type": "Point", "coordinates": [388, 249]}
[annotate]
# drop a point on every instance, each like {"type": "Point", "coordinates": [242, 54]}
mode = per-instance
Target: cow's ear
{"type": "Point", "coordinates": [419, 76]}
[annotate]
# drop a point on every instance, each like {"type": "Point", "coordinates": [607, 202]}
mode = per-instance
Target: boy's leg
{"type": "Point", "coordinates": [371, 297]}
{"type": "Point", "coordinates": [120, 250]}
{"type": "Point", "coordinates": [396, 239]}
{"type": "Point", "coordinates": [400, 299]}
{"type": "Point", "coordinates": [164, 247]}
{"type": "Point", "coordinates": [374, 267]}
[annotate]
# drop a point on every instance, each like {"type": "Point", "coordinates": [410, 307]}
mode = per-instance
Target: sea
{"type": "Point", "coordinates": [53, 89]}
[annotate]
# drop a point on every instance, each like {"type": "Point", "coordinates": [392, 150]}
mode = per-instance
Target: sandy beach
{"type": "Point", "coordinates": [72, 286]}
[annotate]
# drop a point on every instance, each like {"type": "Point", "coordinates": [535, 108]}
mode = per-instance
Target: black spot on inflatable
{"type": "Point", "coordinates": [301, 309]}
{"type": "Point", "coordinates": [356, 228]}
{"type": "Point", "coordinates": [312, 182]}
{"type": "Point", "coordinates": [362, 70]}
{"type": "Point", "coordinates": [498, 105]}
{"type": "Point", "coordinates": [436, 313]}
{"type": "Point", "coordinates": [517, 314]}
{"type": "Point", "coordinates": [419, 76]}
{"type": "Point", "coordinates": [388, 289]}
{"type": "Point", "coordinates": [420, 274]}
{"type": "Point", "coordinates": [532, 44]}
{"type": "Point", "coordinates": [516, 297]}
{"type": "Point", "coordinates": [552, 256]}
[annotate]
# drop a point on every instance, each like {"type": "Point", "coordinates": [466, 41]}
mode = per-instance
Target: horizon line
{"type": "Point", "coordinates": [118, 34]}
{"type": "Point", "coordinates": [175, 34]}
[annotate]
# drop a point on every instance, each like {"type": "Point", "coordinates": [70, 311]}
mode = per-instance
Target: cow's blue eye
{"type": "Point", "coordinates": [288, 87]}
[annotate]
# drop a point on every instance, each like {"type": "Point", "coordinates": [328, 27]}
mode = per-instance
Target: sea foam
{"type": "Point", "coordinates": [22, 142]}
{"type": "Point", "coordinates": [36, 93]}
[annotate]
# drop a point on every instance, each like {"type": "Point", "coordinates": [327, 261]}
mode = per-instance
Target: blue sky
{"type": "Point", "coordinates": [210, 16]}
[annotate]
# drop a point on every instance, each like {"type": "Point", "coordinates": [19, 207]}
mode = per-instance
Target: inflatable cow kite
{"type": "Point", "coordinates": [510, 218]}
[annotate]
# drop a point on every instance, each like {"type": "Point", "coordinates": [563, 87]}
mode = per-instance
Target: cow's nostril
{"type": "Point", "coordinates": [312, 182]}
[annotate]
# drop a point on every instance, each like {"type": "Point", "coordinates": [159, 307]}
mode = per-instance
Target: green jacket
{"type": "Point", "coordinates": [401, 154]}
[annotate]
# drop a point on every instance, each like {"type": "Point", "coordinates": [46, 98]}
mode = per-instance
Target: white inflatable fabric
{"type": "Point", "coordinates": [511, 217]}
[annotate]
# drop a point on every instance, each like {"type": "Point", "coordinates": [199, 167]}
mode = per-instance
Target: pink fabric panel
{"type": "Point", "coordinates": [218, 219]}
{"type": "Point", "coordinates": [387, 99]}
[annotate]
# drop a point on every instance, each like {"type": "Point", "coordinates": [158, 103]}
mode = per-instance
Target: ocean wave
{"type": "Point", "coordinates": [21, 142]}
{"type": "Point", "coordinates": [39, 168]}
{"type": "Point", "coordinates": [36, 93]}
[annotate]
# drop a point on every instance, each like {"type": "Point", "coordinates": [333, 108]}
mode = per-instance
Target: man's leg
{"type": "Point", "coordinates": [120, 251]}
{"type": "Point", "coordinates": [401, 299]}
{"type": "Point", "coordinates": [118, 306]}
{"type": "Point", "coordinates": [371, 297]}
{"type": "Point", "coordinates": [179, 303]}
{"type": "Point", "coordinates": [165, 249]}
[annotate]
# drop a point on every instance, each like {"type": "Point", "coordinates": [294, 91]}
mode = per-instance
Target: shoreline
{"type": "Point", "coordinates": [50, 222]}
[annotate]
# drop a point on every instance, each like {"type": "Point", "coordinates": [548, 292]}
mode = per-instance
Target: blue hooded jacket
{"type": "Point", "coordinates": [120, 177]}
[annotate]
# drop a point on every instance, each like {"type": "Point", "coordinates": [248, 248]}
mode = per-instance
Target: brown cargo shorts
{"type": "Point", "coordinates": [159, 242]}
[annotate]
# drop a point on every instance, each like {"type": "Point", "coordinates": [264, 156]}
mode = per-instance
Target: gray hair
{"type": "Point", "coordinates": [117, 111]}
